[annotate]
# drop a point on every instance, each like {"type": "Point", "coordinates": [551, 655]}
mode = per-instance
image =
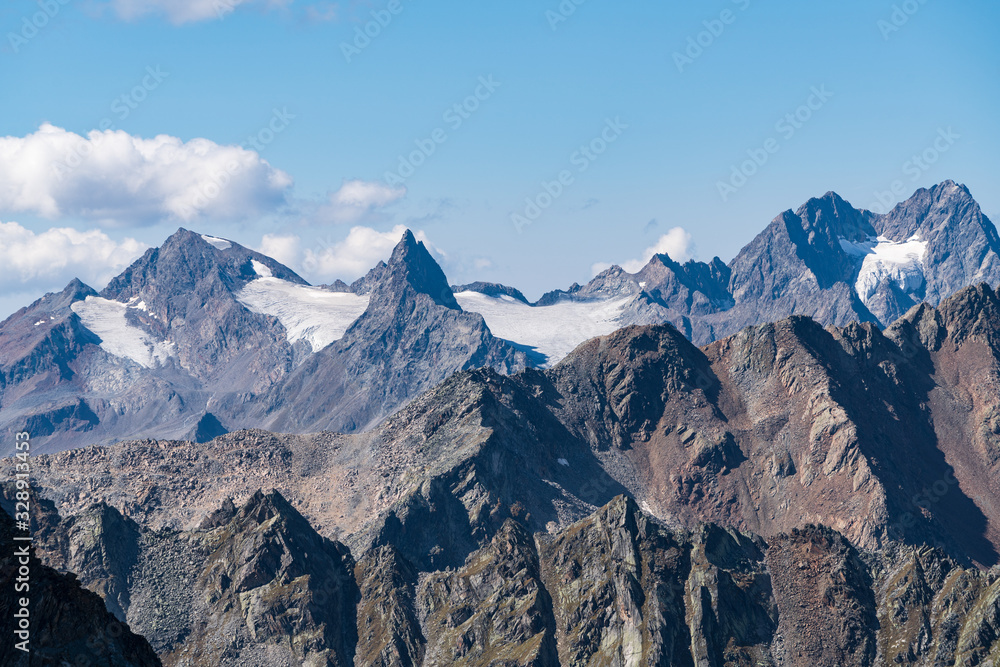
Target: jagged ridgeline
{"type": "Point", "coordinates": [790, 495]}
{"type": "Point", "coordinates": [203, 336]}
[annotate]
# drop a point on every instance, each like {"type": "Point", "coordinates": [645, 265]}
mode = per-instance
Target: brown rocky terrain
{"type": "Point", "coordinates": [792, 495]}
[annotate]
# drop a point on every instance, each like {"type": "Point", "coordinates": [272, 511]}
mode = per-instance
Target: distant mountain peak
{"type": "Point", "coordinates": [412, 266]}
{"type": "Point", "coordinates": [78, 287]}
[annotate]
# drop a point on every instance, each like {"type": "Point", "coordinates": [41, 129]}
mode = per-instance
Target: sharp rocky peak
{"type": "Point", "coordinates": [185, 261]}
{"type": "Point", "coordinates": [834, 217]}
{"type": "Point", "coordinates": [412, 269]}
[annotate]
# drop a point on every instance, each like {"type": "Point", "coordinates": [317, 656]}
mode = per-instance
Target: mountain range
{"type": "Point", "coordinates": [789, 460]}
{"type": "Point", "coordinates": [791, 495]}
{"type": "Point", "coordinates": [202, 336]}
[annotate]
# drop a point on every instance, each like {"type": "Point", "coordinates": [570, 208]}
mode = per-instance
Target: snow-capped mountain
{"type": "Point", "coordinates": [826, 260]}
{"type": "Point", "coordinates": [203, 335]}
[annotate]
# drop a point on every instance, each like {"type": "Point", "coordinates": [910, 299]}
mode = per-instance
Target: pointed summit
{"type": "Point", "coordinates": [960, 245]}
{"type": "Point", "coordinates": [832, 218]}
{"type": "Point", "coordinates": [187, 262]}
{"type": "Point", "coordinates": [412, 270]}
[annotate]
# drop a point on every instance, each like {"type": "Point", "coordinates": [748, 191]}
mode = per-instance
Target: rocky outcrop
{"type": "Point", "coordinates": [389, 632]}
{"type": "Point", "coordinates": [494, 610]}
{"type": "Point", "coordinates": [271, 591]}
{"type": "Point", "coordinates": [68, 624]}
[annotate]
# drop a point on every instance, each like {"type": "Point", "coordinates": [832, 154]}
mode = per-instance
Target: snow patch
{"type": "Point", "coordinates": [308, 313]}
{"type": "Point", "coordinates": [107, 319]}
{"type": "Point", "coordinates": [564, 462]}
{"type": "Point", "coordinates": [261, 269]}
{"type": "Point", "coordinates": [554, 330]}
{"type": "Point", "coordinates": [221, 244]}
{"type": "Point", "coordinates": [39, 322]}
{"type": "Point", "coordinates": [899, 262]}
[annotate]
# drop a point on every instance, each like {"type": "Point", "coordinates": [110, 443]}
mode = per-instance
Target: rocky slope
{"type": "Point", "coordinates": [791, 495]}
{"type": "Point", "coordinates": [68, 624]}
{"type": "Point", "coordinates": [202, 336]}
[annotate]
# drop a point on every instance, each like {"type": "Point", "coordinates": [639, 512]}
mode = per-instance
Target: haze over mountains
{"type": "Point", "coordinates": [202, 336]}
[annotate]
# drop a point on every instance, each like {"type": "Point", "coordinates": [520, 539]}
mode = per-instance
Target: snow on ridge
{"type": "Point", "coordinates": [106, 318]}
{"type": "Point", "coordinates": [554, 330]}
{"type": "Point", "coordinates": [308, 313]}
{"type": "Point", "coordinates": [899, 262]}
{"type": "Point", "coordinates": [261, 269]}
{"type": "Point", "coordinates": [221, 244]}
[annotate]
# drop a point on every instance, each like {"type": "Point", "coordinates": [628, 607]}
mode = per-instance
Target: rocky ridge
{"type": "Point", "coordinates": [792, 495]}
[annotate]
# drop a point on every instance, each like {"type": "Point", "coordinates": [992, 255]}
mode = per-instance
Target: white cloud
{"type": "Point", "coordinates": [284, 248]}
{"type": "Point", "coordinates": [51, 259]}
{"type": "Point", "coordinates": [347, 260]}
{"type": "Point", "coordinates": [184, 11]}
{"type": "Point", "coordinates": [359, 200]}
{"type": "Point", "coordinates": [676, 243]}
{"type": "Point", "coordinates": [119, 179]}
{"type": "Point", "coordinates": [353, 257]}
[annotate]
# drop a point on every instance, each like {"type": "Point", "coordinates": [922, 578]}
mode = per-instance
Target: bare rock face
{"type": "Point", "coordinates": [270, 592]}
{"type": "Point", "coordinates": [826, 607]}
{"type": "Point", "coordinates": [494, 610]}
{"type": "Point", "coordinates": [69, 625]}
{"type": "Point", "coordinates": [413, 336]}
{"type": "Point", "coordinates": [389, 632]}
{"type": "Point", "coordinates": [934, 612]}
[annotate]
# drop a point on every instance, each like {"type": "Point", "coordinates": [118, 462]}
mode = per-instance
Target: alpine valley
{"type": "Point", "coordinates": [788, 460]}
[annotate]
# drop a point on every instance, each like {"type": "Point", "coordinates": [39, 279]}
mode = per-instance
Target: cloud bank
{"type": "Point", "coordinates": [676, 243]}
{"type": "Point", "coordinates": [52, 258]}
{"type": "Point", "coordinates": [359, 201]}
{"type": "Point", "coordinates": [123, 180]}
{"type": "Point", "coordinates": [347, 260]}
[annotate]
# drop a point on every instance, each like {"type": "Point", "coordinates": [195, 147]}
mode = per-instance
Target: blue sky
{"type": "Point", "coordinates": [886, 80]}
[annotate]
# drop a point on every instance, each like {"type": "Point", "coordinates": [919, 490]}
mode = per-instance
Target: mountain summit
{"type": "Point", "coordinates": [202, 336]}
